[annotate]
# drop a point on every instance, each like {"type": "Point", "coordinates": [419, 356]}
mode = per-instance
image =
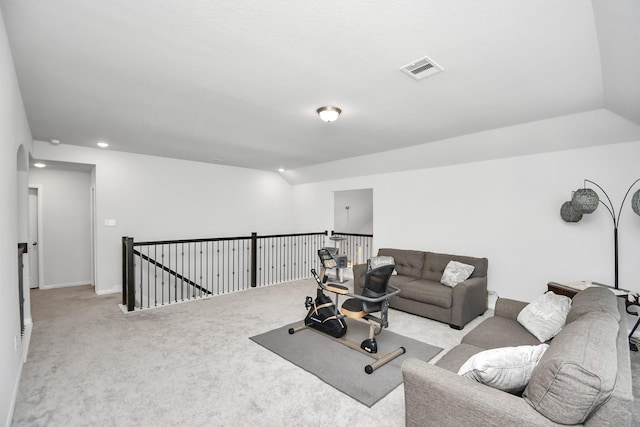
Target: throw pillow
{"type": "Point", "coordinates": [507, 368]}
{"type": "Point", "coordinates": [455, 273]}
{"type": "Point", "coordinates": [379, 261]}
{"type": "Point", "coordinates": [545, 316]}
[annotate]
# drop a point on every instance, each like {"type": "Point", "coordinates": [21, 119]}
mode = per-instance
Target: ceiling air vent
{"type": "Point", "coordinates": [421, 68]}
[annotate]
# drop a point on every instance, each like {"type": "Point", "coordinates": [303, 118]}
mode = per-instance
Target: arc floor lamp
{"type": "Point", "coordinates": [585, 201]}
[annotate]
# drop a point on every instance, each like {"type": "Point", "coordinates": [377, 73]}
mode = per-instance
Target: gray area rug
{"type": "Point", "coordinates": [342, 367]}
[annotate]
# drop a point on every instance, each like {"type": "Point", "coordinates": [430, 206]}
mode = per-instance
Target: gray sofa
{"type": "Point", "coordinates": [422, 293]}
{"type": "Point", "coordinates": [583, 378]}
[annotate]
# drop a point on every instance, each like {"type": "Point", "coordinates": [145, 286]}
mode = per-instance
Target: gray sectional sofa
{"type": "Point", "coordinates": [583, 378]}
{"type": "Point", "coordinates": [421, 292]}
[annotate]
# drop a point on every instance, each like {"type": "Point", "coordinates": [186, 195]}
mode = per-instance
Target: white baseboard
{"type": "Point", "coordinates": [14, 397]}
{"type": "Point", "coordinates": [65, 285]}
{"type": "Point", "coordinates": [26, 339]}
{"type": "Point", "coordinates": [108, 291]}
{"type": "Point", "coordinates": [24, 347]}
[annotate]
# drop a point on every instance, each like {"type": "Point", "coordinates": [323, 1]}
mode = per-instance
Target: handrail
{"type": "Point", "coordinates": [351, 234]}
{"type": "Point", "coordinates": [171, 272]}
{"type": "Point", "coordinates": [221, 239]}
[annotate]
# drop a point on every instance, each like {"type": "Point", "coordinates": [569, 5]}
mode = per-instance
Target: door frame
{"type": "Point", "coordinates": [40, 244]}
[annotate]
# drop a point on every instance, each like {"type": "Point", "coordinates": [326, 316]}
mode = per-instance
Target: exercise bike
{"type": "Point", "coordinates": [324, 317]}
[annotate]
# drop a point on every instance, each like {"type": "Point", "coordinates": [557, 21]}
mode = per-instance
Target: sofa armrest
{"type": "Point", "coordinates": [469, 300]}
{"type": "Point", "coordinates": [359, 273]}
{"type": "Point", "coordinates": [437, 397]}
{"type": "Point", "coordinates": [509, 308]}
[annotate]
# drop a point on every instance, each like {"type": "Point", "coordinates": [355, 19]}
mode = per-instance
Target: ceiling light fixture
{"type": "Point", "coordinates": [102, 144]}
{"type": "Point", "coordinates": [55, 141]}
{"type": "Point", "coordinates": [329, 114]}
{"type": "Point", "coordinates": [280, 169]}
{"type": "Point", "coordinates": [39, 165]}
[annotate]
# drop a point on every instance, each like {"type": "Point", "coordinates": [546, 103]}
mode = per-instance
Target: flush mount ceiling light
{"type": "Point", "coordinates": [55, 141]}
{"type": "Point", "coordinates": [39, 165]}
{"type": "Point", "coordinates": [329, 114]}
{"type": "Point", "coordinates": [102, 144]}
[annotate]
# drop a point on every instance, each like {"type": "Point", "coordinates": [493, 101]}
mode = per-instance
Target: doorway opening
{"type": "Point", "coordinates": [353, 224]}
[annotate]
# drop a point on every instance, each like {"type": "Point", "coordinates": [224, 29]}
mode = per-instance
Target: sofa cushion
{"type": "Point", "coordinates": [457, 356]}
{"type": "Point", "coordinates": [578, 371]}
{"type": "Point", "coordinates": [592, 299]}
{"type": "Point", "coordinates": [399, 279]}
{"type": "Point", "coordinates": [435, 264]}
{"type": "Point", "coordinates": [455, 273]}
{"type": "Point", "coordinates": [505, 368]}
{"type": "Point", "coordinates": [427, 291]}
{"type": "Point", "coordinates": [408, 263]}
{"type": "Point", "coordinates": [545, 316]}
{"type": "Point", "coordinates": [499, 331]}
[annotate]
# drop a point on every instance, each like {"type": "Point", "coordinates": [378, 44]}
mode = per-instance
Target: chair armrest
{"type": "Point", "coordinates": [435, 396]}
{"type": "Point", "coordinates": [509, 308]}
{"type": "Point", "coordinates": [469, 300]}
{"type": "Point", "coordinates": [394, 291]}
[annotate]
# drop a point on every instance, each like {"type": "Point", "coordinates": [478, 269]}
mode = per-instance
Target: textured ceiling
{"type": "Point", "coordinates": [239, 82]}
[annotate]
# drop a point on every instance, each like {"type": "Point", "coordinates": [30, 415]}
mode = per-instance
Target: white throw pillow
{"type": "Point", "coordinates": [456, 272]}
{"type": "Point", "coordinates": [379, 261]}
{"type": "Point", "coordinates": [545, 316]}
{"type": "Point", "coordinates": [506, 368]}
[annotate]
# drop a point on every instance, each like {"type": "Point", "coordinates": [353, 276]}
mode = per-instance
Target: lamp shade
{"type": "Point", "coordinates": [569, 214]}
{"type": "Point", "coordinates": [329, 114]}
{"type": "Point", "coordinates": [585, 200]}
{"type": "Point", "coordinates": [635, 202]}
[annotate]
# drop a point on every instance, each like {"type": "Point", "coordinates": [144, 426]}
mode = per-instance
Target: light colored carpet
{"type": "Point", "coordinates": [189, 364]}
{"type": "Point", "coordinates": [342, 367]}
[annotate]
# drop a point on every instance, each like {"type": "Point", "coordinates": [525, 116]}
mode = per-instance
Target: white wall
{"type": "Point", "coordinates": [155, 198]}
{"type": "Point", "coordinates": [14, 132]}
{"type": "Point", "coordinates": [65, 247]}
{"type": "Point", "coordinates": [506, 210]}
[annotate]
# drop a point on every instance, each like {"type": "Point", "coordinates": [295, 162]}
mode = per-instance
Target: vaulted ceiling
{"type": "Point", "coordinates": [238, 83]}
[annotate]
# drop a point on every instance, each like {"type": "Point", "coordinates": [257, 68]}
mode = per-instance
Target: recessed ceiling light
{"type": "Point", "coordinates": [55, 141]}
{"type": "Point", "coordinates": [39, 165]}
{"type": "Point", "coordinates": [102, 144]}
{"type": "Point", "coordinates": [280, 169]}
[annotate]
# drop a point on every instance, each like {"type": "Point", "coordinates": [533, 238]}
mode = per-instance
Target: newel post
{"type": "Point", "coordinates": [254, 259]}
{"type": "Point", "coordinates": [128, 279]}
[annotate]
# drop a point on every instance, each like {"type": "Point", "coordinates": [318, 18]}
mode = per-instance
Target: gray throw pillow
{"type": "Point", "coordinates": [455, 273]}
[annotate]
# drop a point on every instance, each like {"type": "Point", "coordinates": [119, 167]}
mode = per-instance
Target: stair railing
{"type": "Point", "coordinates": [164, 272]}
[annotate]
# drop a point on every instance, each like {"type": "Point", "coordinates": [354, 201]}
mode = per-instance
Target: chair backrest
{"type": "Point", "coordinates": [375, 284]}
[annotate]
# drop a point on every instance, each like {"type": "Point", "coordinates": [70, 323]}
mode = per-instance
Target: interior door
{"type": "Point", "coordinates": [34, 253]}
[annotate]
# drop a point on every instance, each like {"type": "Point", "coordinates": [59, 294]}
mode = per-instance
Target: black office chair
{"type": "Point", "coordinates": [375, 298]}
